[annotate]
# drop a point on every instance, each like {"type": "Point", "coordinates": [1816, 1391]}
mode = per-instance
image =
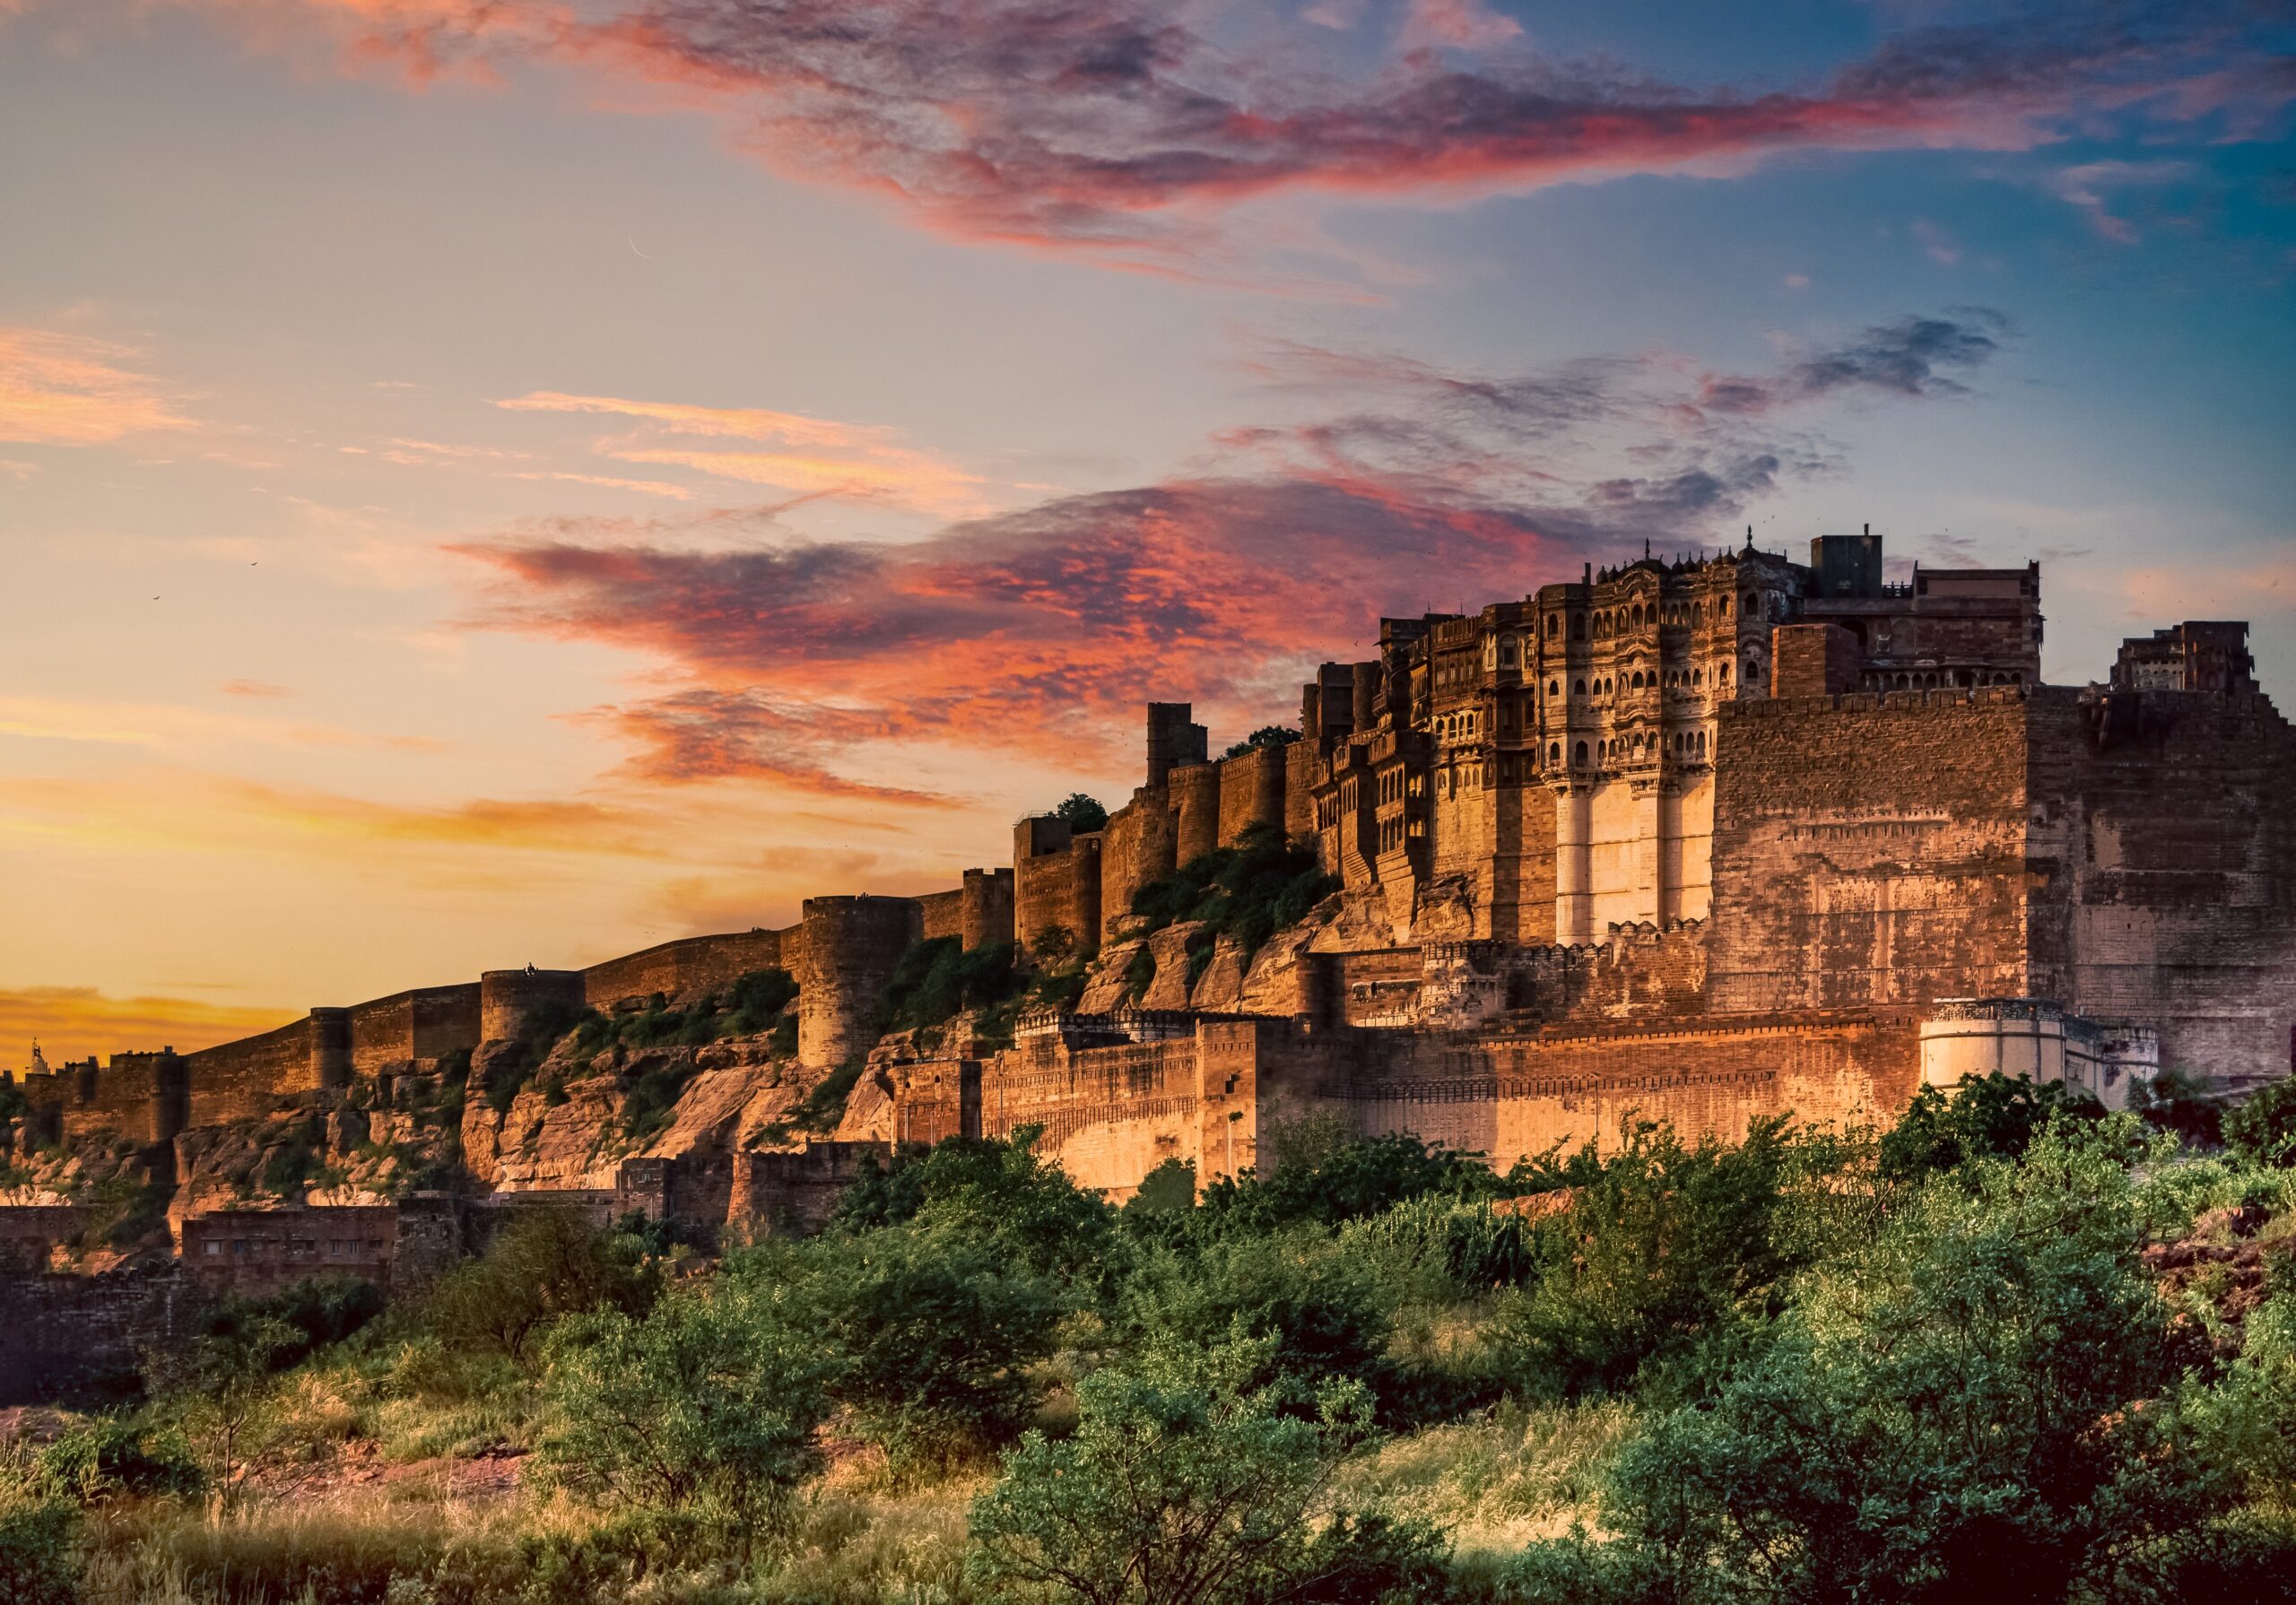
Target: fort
{"type": "Point", "coordinates": [1703, 839]}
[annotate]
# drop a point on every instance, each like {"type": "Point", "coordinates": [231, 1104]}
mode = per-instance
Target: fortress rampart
{"type": "Point", "coordinates": [1702, 840]}
{"type": "Point", "coordinates": [149, 1098]}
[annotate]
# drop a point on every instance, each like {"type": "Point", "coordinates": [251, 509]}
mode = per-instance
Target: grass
{"type": "Point", "coordinates": [1514, 1474]}
{"type": "Point", "coordinates": [1504, 1478]}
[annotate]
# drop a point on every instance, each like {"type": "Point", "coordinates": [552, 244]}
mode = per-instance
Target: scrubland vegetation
{"type": "Point", "coordinates": [2009, 1349]}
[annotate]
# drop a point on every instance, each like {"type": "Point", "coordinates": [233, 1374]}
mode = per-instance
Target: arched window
{"type": "Point", "coordinates": [1723, 673]}
{"type": "Point", "coordinates": [1579, 688]}
{"type": "Point", "coordinates": [1507, 652]}
{"type": "Point", "coordinates": [1554, 624]}
{"type": "Point", "coordinates": [1554, 753]}
{"type": "Point", "coordinates": [1578, 627]}
{"type": "Point", "coordinates": [1578, 758]}
{"type": "Point", "coordinates": [1554, 688]}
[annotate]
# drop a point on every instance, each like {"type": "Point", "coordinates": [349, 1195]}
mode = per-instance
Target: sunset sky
{"type": "Point", "coordinates": [485, 483]}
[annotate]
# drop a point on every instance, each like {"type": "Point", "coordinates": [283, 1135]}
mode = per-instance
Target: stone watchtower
{"type": "Point", "coordinates": [848, 951]}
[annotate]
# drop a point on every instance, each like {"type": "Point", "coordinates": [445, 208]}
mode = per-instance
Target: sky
{"type": "Point", "coordinates": [486, 481]}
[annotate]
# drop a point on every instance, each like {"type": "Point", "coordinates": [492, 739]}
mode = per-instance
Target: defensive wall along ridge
{"type": "Point", "coordinates": [1706, 839]}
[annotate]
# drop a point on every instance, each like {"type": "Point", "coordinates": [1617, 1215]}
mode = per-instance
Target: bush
{"type": "Point", "coordinates": [703, 1411]}
{"type": "Point", "coordinates": [1267, 735]}
{"type": "Point", "coordinates": [1993, 1117]}
{"type": "Point", "coordinates": [1312, 1309]}
{"type": "Point", "coordinates": [1186, 1482]}
{"type": "Point", "coordinates": [103, 1457]}
{"type": "Point", "coordinates": [2175, 1102]}
{"type": "Point", "coordinates": [989, 1191]}
{"type": "Point", "coordinates": [1325, 1182]}
{"type": "Point", "coordinates": [1248, 892]}
{"type": "Point", "coordinates": [1665, 1248]}
{"type": "Point", "coordinates": [934, 981]}
{"type": "Point", "coordinates": [758, 1001]}
{"type": "Point", "coordinates": [39, 1560]}
{"type": "Point", "coordinates": [934, 1338]}
{"type": "Point", "coordinates": [2262, 1128]}
{"type": "Point", "coordinates": [1969, 1407]}
{"type": "Point", "coordinates": [544, 1262]}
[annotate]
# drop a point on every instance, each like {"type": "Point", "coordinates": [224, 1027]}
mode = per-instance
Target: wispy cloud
{"type": "Point", "coordinates": [2090, 185]}
{"type": "Point", "coordinates": [58, 389]}
{"type": "Point", "coordinates": [662, 487]}
{"type": "Point", "coordinates": [809, 456]}
{"type": "Point", "coordinates": [1119, 126]}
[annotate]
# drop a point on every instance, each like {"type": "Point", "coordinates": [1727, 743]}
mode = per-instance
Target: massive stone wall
{"type": "Point", "coordinates": [1056, 882]}
{"type": "Point", "coordinates": [2162, 857]}
{"type": "Point", "coordinates": [390, 1036]}
{"type": "Point", "coordinates": [66, 1336]}
{"type": "Point", "coordinates": [1869, 849]}
{"type": "Point", "coordinates": [240, 1080]}
{"type": "Point", "coordinates": [1111, 1115]}
{"type": "Point", "coordinates": [690, 964]}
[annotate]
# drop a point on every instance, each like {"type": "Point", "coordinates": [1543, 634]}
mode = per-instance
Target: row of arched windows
{"type": "Point", "coordinates": [1607, 623]}
{"type": "Point", "coordinates": [1945, 679]}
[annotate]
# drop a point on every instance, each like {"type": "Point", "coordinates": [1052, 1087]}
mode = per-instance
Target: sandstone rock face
{"type": "Point", "coordinates": [1170, 989]}
{"type": "Point", "coordinates": [346, 1131]}
{"type": "Point", "coordinates": [869, 1111]}
{"type": "Point", "coordinates": [1444, 910]}
{"type": "Point", "coordinates": [1359, 922]}
{"type": "Point", "coordinates": [1105, 986]}
{"type": "Point", "coordinates": [1272, 985]}
{"type": "Point", "coordinates": [1220, 989]}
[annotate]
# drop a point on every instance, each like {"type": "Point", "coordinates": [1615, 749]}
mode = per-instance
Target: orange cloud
{"type": "Point", "coordinates": [72, 1022]}
{"type": "Point", "coordinates": [819, 457]}
{"type": "Point", "coordinates": [643, 487]}
{"type": "Point", "coordinates": [65, 390]}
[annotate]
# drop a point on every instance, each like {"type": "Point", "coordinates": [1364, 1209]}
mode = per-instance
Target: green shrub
{"type": "Point", "coordinates": [1186, 1482]}
{"type": "Point", "coordinates": [1168, 1189]}
{"type": "Point", "coordinates": [994, 1193]}
{"type": "Point", "coordinates": [1969, 1407]}
{"type": "Point", "coordinates": [1312, 1307]}
{"type": "Point", "coordinates": [934, 1338]}
{"type": "Point", "coordinates": [758, 1001]}
{"type": "Point", "coordinates": [544, 1262]}
{"type": "Point", "coordinates": [823, 1105]}
{"type": "Point", "coordinates": [1267, 735]}
{"type": "Point", "coordinates": [1081, 814]}
{"type": "Point", "coordinates": [2262, 1128]}
{"type": "Point", "coordinates": [1248, 892]}
{"type": "Point", "coordinates": [704, 1409]}
{"type": "Point", "coordinates": [934, 981]}
{"type": "Point", "coordinates": [104, 1457]}
{"type": "Point", "coordinates": [39, 1558]}
{"type": "Point", "coordinates": [2173, 1101]}
{"type": "Point", "coordinates": [1324, 1179]}
{"type": "Point", "coordinates": [1992, 1117]}
{"type": "Point", "coordinates": [1665, 1248]}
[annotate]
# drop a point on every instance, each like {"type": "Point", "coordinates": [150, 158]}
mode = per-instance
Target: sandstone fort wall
{"type": "Point", "coordinates": [1869, 849]}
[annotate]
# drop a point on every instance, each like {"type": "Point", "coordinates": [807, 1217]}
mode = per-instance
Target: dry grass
{"type": "Point", "coordinates": [1515, 1475]}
